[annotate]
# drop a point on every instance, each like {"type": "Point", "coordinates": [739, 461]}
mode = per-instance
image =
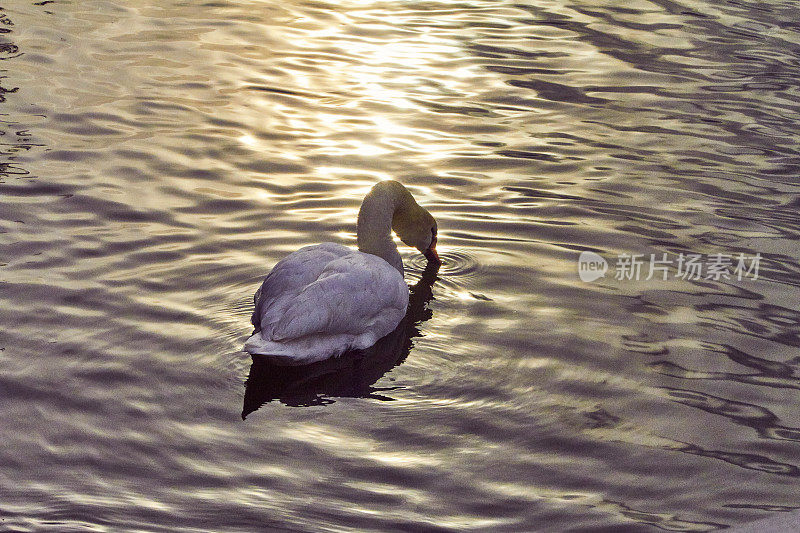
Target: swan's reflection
{"type": "Point", "coordinates": [350, 375]}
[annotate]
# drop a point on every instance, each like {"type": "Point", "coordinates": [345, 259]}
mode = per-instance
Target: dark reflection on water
{"type": "Point", "coordinates": [15, 138]}
{"type": "Point", "coordinates": [353, 374]}
{"type": "Point", "coordinates": [158, 158]}
{"type": "Point", "coordinates": [768, 373]}
{"type": "Point", "coordinates": [758, 418]}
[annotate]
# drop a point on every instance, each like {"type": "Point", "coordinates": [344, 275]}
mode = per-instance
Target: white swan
{"type": "Point", "coordinates": [325, 299]}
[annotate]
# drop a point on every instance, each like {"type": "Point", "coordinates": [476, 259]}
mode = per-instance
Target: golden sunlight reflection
{"type": "Point", "coordinates": [362, 96]}
{"type": "Point", "coordinates": [248, 140]}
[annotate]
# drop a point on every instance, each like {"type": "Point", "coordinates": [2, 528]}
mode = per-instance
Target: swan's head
{"type": "Point", "coordinates": [416, 227]}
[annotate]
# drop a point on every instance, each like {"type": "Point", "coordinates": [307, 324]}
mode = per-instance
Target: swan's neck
{"type": "Point", "coordinates": [375, 222]}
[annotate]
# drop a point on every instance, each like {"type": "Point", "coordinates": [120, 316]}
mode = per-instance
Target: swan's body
{"type": "Point", "coordinates": [322, 300]}
{"type": "Point", "coordinates": [325, 299]}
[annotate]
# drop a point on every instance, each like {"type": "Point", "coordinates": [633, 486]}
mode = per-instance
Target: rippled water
{"type": "Point", "coordinates": [158, 158]}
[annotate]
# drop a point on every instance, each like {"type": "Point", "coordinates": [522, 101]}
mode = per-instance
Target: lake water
{"type": "Point", "coordinates": [159, 157]}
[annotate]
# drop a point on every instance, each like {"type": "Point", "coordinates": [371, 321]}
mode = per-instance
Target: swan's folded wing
{"type": "Point", "coordinates": [292, 273]}
{"type": "Point", "coordinates": [351, 297]}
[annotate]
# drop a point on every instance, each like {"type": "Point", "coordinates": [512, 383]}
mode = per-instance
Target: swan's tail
{"type": "Point", "coordinates": [258, 345]}
{"type": "Point", "coordinates": [298, 351]}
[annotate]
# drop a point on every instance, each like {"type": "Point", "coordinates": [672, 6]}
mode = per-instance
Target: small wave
{"type": "Point", "coordinates": [455, 263]}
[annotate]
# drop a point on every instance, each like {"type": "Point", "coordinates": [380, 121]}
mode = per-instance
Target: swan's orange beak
{"type": "Point", "coordinates": [431, 254]}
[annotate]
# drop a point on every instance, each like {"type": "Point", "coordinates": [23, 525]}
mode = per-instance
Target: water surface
{"type": "Point", "coordinates": [158, 158]}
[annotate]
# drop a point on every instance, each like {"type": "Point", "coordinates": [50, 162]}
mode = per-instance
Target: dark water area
{"type": "Point", "coordinates": [158, 158]}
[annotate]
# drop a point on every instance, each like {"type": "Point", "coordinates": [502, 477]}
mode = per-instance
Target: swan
{"type": "Point", "coordinates": [325, 299]}
{"type": "Point", "coordinates": [351, 375]}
